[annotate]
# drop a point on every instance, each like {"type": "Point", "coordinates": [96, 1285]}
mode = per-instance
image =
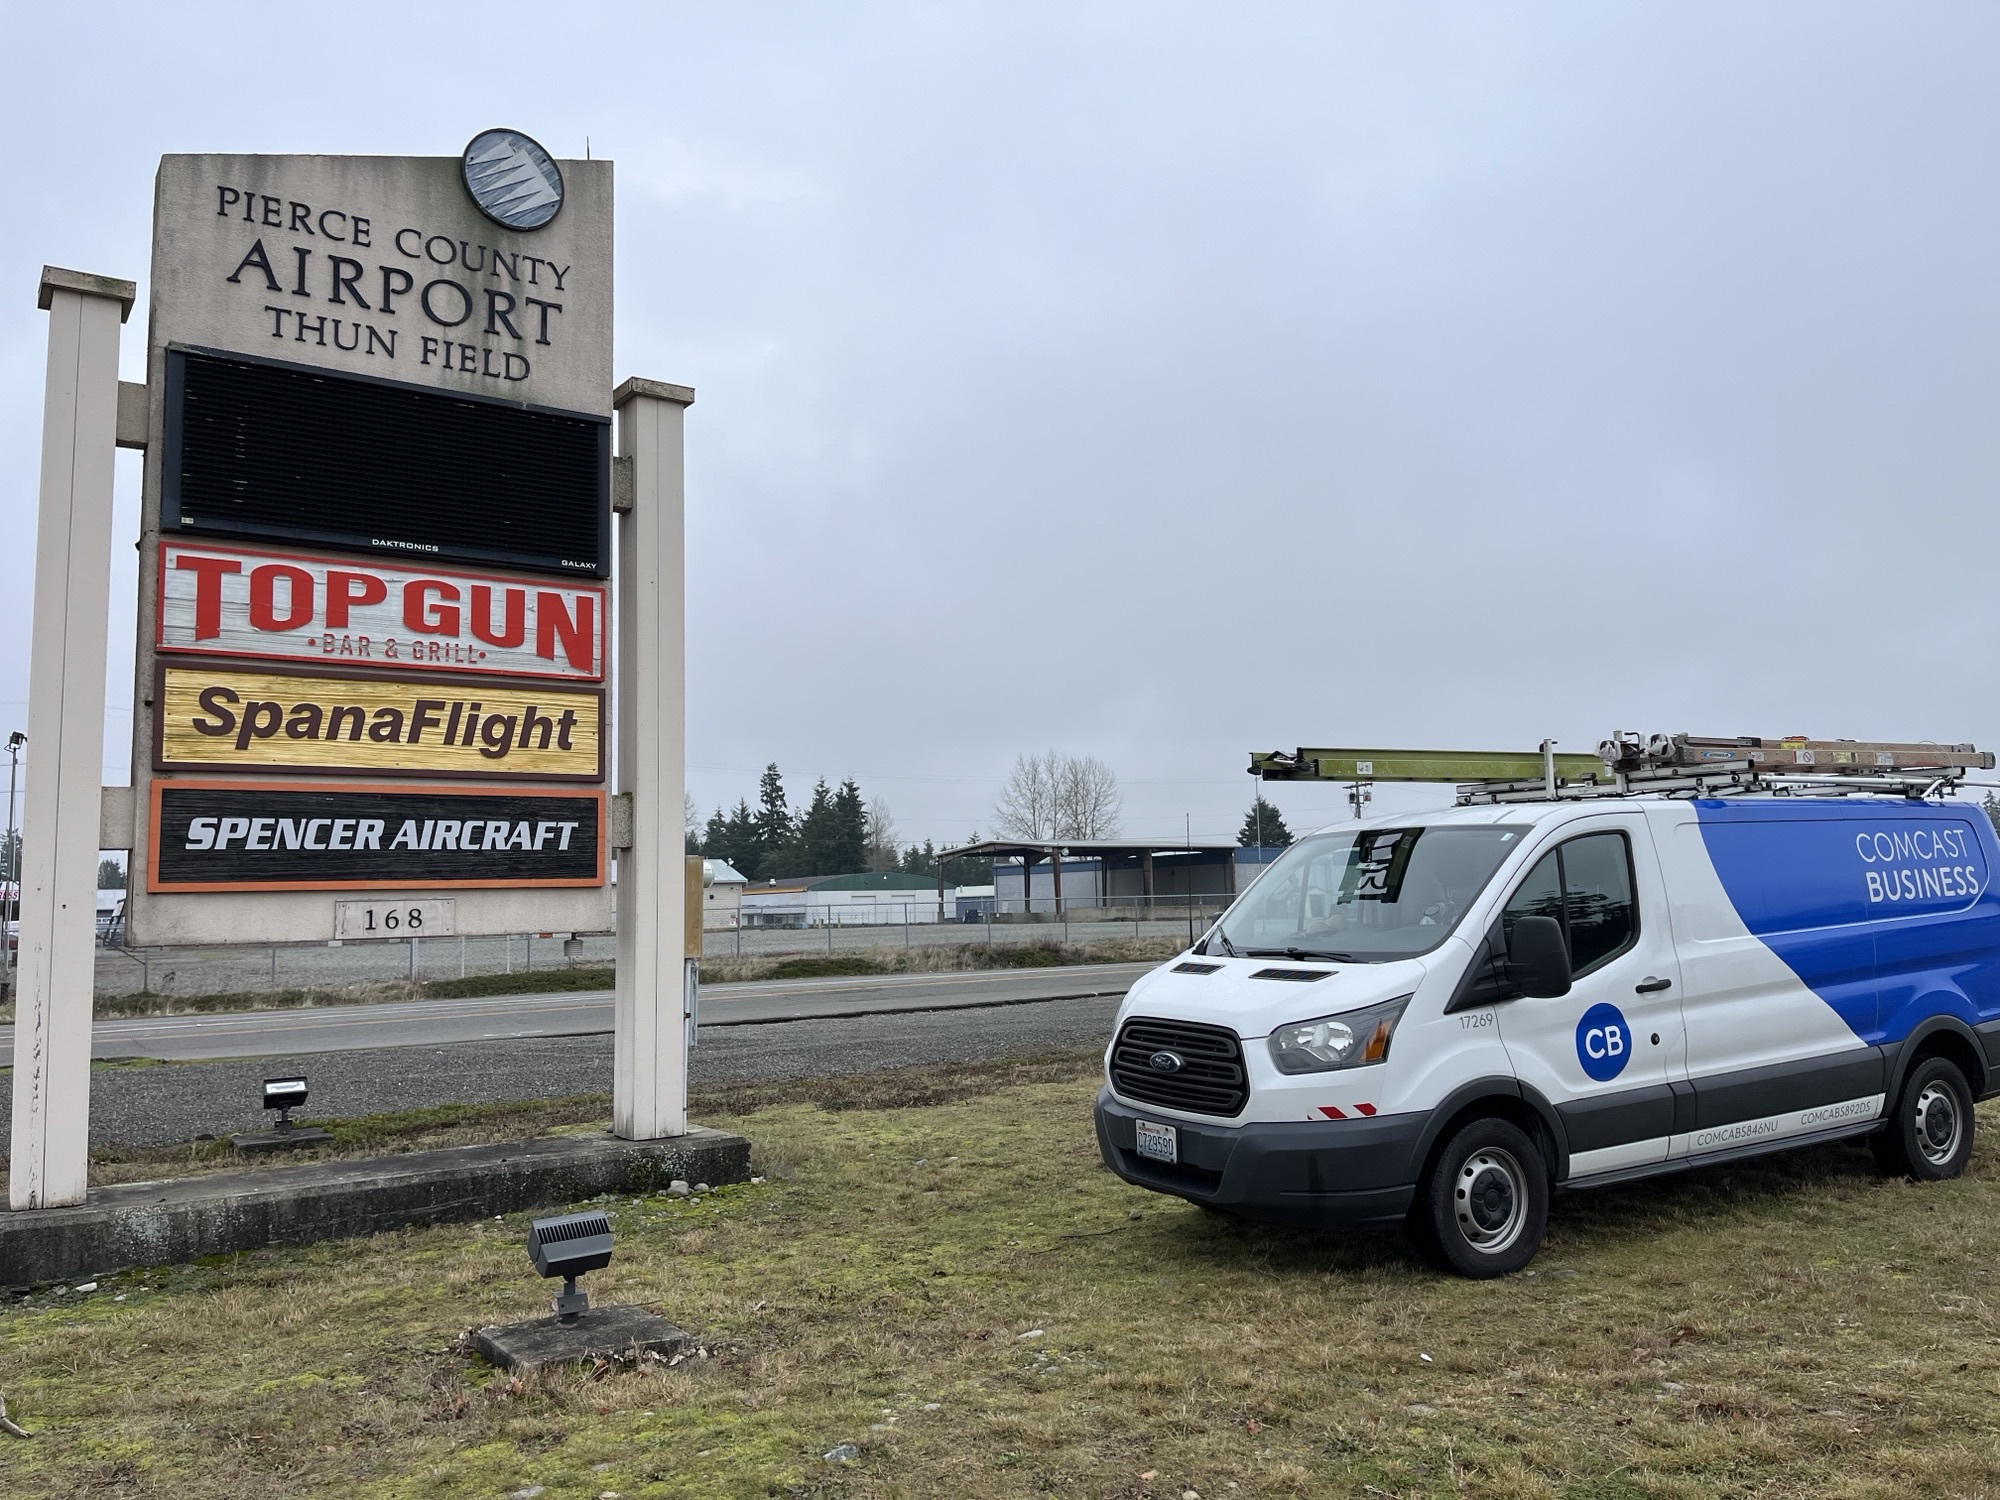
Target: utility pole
{"type": "Point", "coordinates": [1359, 795]}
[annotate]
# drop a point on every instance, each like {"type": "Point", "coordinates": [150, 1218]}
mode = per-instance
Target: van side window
{"type": "Point", "coordinates": [1586, 885]}
{"type": "Point", "coordinates": [1599, 915]}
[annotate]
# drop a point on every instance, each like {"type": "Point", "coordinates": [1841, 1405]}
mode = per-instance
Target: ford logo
{"type": "Point", "coordinates": [1165, 1062]}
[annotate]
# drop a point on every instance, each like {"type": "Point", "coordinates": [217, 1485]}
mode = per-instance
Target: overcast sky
{"type": "Point", "coordinates": [1162, 381]}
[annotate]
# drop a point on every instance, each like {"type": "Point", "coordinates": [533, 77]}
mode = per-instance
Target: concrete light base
{"type": "Point", "coordinates": [599, 1333]}
{"type": "Point", "coordinates": [165, 1223]}
{"type": "Point", "coordinates": [255, 1142]}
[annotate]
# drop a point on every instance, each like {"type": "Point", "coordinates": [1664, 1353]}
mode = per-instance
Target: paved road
{"type": "Point", "coordinates": [163, 1105]}
{"type": "Point", "coordinates": [435, 1023]}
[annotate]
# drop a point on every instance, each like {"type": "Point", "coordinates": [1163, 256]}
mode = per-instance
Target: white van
{"type": "Point", "coordinates": [1436, 1020]}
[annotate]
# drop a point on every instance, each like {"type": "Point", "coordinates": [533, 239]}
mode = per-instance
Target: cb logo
{"type": "Point", "coordinates": [1603, 1042]}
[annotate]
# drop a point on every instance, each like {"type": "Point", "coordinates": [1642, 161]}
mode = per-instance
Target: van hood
{"type": "Point", "coordinates": [1233, 997]}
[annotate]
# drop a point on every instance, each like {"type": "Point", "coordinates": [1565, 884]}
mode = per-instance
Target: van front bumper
{"type": "Point", "coordinates": [1339, 1174]}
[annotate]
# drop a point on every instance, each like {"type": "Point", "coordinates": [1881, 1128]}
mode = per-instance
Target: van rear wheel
{"type": "Point", "coordinates": [1484, 1206]}
{"type": "Point", "coordinates": [1929, 1134]}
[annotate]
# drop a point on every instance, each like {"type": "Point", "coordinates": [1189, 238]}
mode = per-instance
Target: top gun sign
{"type": "Point", "coordinates": [356, 612]}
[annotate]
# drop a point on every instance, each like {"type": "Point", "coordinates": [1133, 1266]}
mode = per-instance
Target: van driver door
{"type": "Point", "coordinates": [1606, 1053]}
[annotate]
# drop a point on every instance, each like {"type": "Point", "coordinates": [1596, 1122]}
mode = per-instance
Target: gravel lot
{"type": "Point", "coordinates": [161, 1105]}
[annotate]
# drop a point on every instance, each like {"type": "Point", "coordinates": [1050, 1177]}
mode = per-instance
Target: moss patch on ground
{"type": "Point", "coordinates": [957, 1288]}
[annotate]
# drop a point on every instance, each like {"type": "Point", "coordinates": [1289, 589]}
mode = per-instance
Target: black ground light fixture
{"type": "Point", "coordinates": [284, 1095]}
{"type": "Point", "coordinates": [568, 1247]}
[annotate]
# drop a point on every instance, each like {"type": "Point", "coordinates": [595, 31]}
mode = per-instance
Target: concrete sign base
{"type": "Point", "coordinates": [167, 1223]}
{"type": "Point", "coordinates": [599, 1333]}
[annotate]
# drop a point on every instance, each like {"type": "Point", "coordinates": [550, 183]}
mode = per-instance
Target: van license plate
{"type": "Point", "coordinates": [1159, 1142]}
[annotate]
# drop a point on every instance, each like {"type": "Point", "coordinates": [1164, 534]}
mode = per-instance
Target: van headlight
{"type": "Point", "coordinates": [1355, 1039]}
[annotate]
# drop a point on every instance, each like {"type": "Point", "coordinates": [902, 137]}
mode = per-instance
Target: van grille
{"type": "Point", "coordinates": [1210, 1081]}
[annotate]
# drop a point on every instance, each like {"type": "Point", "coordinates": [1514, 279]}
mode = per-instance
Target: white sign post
{"type": "Point", "coordinates": [50, 1161]}
{"type": "Point", "coordinates": [649, 1094]}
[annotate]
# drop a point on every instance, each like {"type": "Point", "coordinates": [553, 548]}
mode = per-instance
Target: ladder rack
{"type": "Point", "coordinates": [1673, 765]}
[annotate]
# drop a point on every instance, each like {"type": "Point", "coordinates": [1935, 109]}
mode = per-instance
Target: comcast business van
{"type": "Point", "coordinates": [1437, 1020]}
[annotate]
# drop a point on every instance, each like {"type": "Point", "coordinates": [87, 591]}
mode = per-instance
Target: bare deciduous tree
{"type": "Point", "coordinates": [1059, 797]}
{"type": "Point", "coordinates": [1087, 799]}
{"type": "Point", "coordinates": [1027, 805]}
{"type": "Point", "coordinates": [879, 837]}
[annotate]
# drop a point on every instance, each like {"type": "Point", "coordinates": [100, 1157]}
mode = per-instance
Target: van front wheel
{"type": "Point", "coordinates": [1485, 1204]}
{"type": "Point", "coordinates": [1929, 1133]}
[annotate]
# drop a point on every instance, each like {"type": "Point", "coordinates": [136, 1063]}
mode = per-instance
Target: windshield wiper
{"type": "Point", "coordinates": [1300, 953]}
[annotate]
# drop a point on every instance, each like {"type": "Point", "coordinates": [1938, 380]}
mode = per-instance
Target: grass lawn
{"type": "Point", "coordinates": [938, 1272]}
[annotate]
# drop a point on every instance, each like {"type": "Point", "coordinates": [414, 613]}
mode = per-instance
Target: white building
{"type": "Point", "coordinates": [722, 895]}
{"type": "Point", "coordinates": [878, 898]}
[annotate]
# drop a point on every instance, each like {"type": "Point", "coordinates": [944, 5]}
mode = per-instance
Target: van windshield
{"type": "Point", "coordinates": [1365, 895]}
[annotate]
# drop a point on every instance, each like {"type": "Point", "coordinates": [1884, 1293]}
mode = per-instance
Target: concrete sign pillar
{"type": "Point", "coordinates": [50, 1154]}
{"type": "Point", "coordinates": [649, 1097]}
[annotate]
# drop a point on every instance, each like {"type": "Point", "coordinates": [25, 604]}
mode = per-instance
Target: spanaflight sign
{"type": "Point", "coordinates": [217, 718]}
{"type": "Point", "coordinates": [376, 527]}
{"type": "Point", "coordinates": [239, 601]}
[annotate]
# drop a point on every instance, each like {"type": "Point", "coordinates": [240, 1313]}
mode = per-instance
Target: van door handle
{"type": "Point", "coordinates": [1652, 986]}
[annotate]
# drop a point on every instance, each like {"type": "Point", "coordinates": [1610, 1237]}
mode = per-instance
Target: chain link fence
{"type": "Point", "coordinates": [244, 969]}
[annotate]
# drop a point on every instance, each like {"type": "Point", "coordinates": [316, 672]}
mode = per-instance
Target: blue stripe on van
{"type": "Point", "coordinates": [1885, 910]}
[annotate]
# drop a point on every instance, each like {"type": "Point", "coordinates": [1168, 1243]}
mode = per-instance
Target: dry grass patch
{"type": "Point", "coordinates": [957, 1288]}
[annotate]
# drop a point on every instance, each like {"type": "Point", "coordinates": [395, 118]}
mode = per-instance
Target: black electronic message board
{"type": "Point", "coordinates": [257, 448]}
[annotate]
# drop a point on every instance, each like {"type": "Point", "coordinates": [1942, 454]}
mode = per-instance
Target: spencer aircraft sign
{"type": "Point", "coordinates": [294, 836]}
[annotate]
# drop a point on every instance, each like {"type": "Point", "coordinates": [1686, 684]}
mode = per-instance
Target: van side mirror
{"type": "Point", "coordinates": [1538, 959]}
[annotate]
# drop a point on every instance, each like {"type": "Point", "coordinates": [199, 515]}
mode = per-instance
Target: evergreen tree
{"type": "Point", "coordinates": [731, 838]}
{"type": "Point", "coordinates": [818, 834]}
{"type": "Point", "coordinates": [774, 827]}
{"type": "Point", "coordinates": [848, 854]}
{"type": "Point", "coordinates": [917, 861]}
{"type": "Point", "coordinates": [1264, 827]}
{"type": "Point", "coordinates": [739, 840]}
{"type": "Point", "coordinates": [966, 871]}
{"type": "Point", "coordinates": [1992, 806]}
